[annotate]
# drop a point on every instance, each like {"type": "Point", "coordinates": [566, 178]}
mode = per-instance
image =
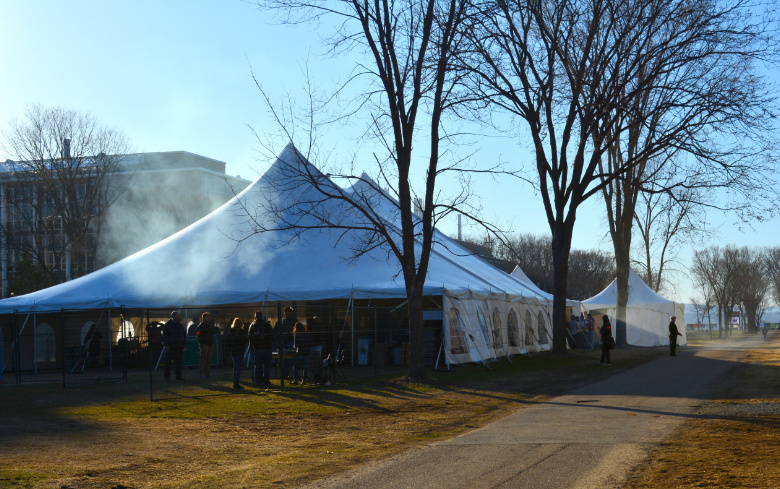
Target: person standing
{"type": "Point", "coordinates": [93, 341]}
{"type": "Point", "coordinates": [573, 329]}
{"type": "Point", "coordinates": [287, 331]}
{"type": "Point", "coordinates": [236, 342]}
{"type": "Point", "coordinates": [302, 347]}
{"type": "Point", "coordinates": [606, 340]}
{"type": "Point", "coordinates": [590, 325]}
{"type": "Point", "coordinates": [154, 339]}
{"type": "Point", "coordinates": [206, 344]}
{"type": "Point", "coordinates": [174, 338]}
{"type": "Point", "coordinates": [673, 334]}
{"type": "Point", "coordinates": [765, 331]}
{"type": "Point", "coordinates": [314, 361]}
{"type": "Point", "coordinates": [260, 350]}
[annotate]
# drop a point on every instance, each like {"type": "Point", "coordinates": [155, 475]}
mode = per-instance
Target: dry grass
{"type": "Point", "coordinates": [108, 436]}
{"type": "Point", "coordinates": [111, 436]}
{"type": "Point", "coordinates": [734, 441]}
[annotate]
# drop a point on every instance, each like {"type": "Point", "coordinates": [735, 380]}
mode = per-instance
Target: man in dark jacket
{"type": "Point", "coordinates": [673, 334]}
{"type": "Point", "coordinates": [260, 349]}
{"type": "Point", "coordinates": [174, 342]}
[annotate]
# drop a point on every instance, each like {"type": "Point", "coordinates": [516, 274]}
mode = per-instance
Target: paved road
{"type": "Point", "coordinates": [587, 439]}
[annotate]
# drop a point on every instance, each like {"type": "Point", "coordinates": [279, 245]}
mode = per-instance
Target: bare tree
{"type": "Point", "coordinates": [608, 87]}
{"type": "Point", "coordinates": [717, 269]}
{"type": "Point", "coordinates": [752, 287]}
{"type": "Point", "coordinates": [695, 108]}
{"type": "Point", "coordinates": [590, 271]}
{"type": "Point", "coordinates": [410, 45]}
{"type": "Point", "coordinates": [773, 271]}
{"type": "Point", "coordinates": [57, 190]}
{"type": "Point", "coordinates": [661, 220]}
{"type": "Point", "coordinates": [704, 307]}
{"type": "Point", "coordinates": [560, 68]}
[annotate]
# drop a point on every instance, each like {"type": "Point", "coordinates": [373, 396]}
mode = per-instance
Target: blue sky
{"type": "Point", "coordinates": [175, 75]}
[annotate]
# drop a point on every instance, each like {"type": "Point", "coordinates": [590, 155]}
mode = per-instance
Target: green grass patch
{"type": "Point", "coordinates": [21, 478]}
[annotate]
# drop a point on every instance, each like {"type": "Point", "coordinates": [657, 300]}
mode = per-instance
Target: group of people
{"type": "Point", "coordinates": [581, 332]}
{"type": "Point", "coordinates": [257, 340]}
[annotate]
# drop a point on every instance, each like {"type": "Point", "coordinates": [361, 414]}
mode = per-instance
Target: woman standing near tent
{"type": "Point", "coordinates": [607, 342]}
{"type": "Point", "coordinates": [302, 347]}
{"type": "Point", "coordinates": [236, 339]}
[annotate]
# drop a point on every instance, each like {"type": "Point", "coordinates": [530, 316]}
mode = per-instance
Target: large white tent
{"type": "Point", "coordinates": [224, 259]}
{"type": "Point", "coordinates": [647, 313]}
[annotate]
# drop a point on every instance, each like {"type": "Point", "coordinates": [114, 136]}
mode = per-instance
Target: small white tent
{"type": "Point", "coordinates": [224, 259]}
{"type": "Point", "coordinates": [647, 313]}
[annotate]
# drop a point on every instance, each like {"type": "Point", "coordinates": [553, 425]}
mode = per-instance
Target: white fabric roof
{"type": "Point", "coordinates": [638, 294]}
{"type": "Point", "coordinates": [519, 274]}
{"type": "Point", "coordinates": [220, 260]}
{"type": "Point", "coordinates": [647, 313]}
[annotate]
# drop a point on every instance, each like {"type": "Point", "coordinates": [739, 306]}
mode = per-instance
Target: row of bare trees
{"type": "Point", "coordinates": [590, 271]}
{"type": "Point", "coordinates": [736, 278]}
{"type": "Point", "coordinates": [617, 98]}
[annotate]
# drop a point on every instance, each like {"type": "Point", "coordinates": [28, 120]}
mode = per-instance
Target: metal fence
{"type": "Point", "coordinates": [316, 345]}
{"type": "Point", "coordinates": [334, 341]}
{"type": "Point", "coordinates": [71, 347]}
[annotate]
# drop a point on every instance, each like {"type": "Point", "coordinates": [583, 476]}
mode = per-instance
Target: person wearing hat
{"type": "Point", "coordinates": [673, 334]}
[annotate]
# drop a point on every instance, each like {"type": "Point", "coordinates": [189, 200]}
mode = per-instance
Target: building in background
{"type": "Point", "coordinates": [150, 197]}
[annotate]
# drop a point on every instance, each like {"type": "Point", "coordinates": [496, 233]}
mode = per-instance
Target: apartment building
{"type": "Point", "coordinates": [150, 196]}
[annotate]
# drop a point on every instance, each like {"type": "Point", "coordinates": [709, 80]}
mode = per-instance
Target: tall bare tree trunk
{"type": "Point", "coordinates": [561, 248]}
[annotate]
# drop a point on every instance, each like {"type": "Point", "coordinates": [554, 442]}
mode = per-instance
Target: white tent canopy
{"type": "Point", "coordinates": [223, 259]}
{"type": "Point", "coordinates": [647, 313]}
{"type": "Point", "coordinates": [519, 274]}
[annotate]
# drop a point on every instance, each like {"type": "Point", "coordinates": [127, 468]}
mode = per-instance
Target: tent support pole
{"type": "Point", "coordinates": [17, 338]}
{"type": "Point", "coordinates": [110, 342]}
{"type": "Point", "coordinates": [281, 344]}
{"type": "Point", "coordinates": [35, 343]}
{"type": "Point", "coordinates": [62, 347]}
